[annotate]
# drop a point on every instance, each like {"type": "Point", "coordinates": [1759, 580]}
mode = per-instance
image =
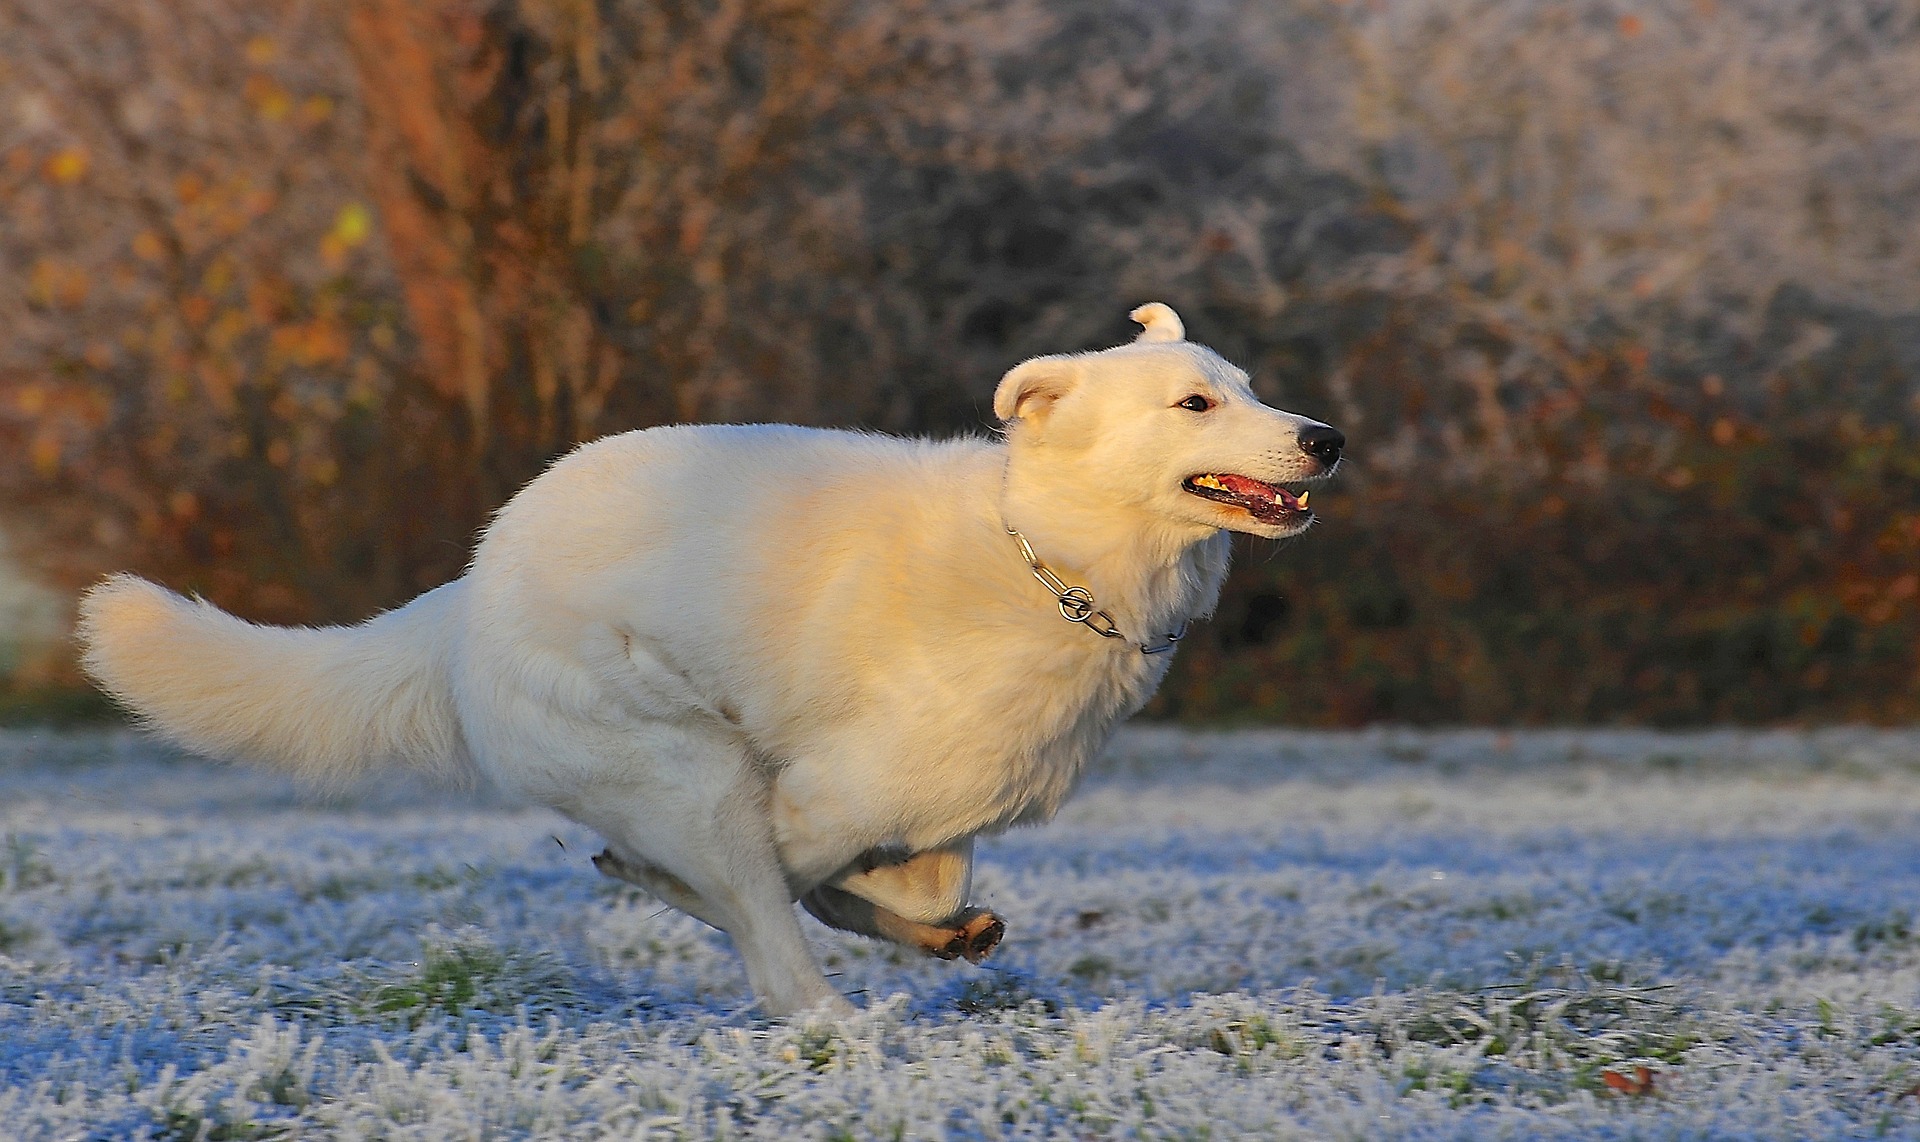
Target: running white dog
{"type": "Point", "coordinates": [770, 663]}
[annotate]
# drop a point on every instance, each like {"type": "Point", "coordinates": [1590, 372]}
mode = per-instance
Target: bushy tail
{"type": "Point", "coordinates": [325, 704]}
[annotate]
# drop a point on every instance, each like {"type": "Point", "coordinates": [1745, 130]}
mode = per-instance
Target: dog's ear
{"type": "Point", "coordinates": [1029, 389]}
{"type": "Point", "coordinates": [1160, 323]}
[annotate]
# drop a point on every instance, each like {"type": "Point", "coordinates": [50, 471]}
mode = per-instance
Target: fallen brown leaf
{"type": "Point", "coordinates": [1640, 1082]}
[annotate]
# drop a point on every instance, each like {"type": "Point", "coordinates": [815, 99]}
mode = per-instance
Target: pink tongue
{"type": "Point", "coordinates": [1255, 490]}
{"type": "Point", "coordinates": [1242, 486]}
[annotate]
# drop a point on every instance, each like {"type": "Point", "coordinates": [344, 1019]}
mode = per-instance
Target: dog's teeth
{"type": "Point", "coordinates": [1303, 498]}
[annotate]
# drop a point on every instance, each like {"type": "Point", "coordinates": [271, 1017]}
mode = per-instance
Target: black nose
{"type": "Point", "coordinates": [1322, 443]}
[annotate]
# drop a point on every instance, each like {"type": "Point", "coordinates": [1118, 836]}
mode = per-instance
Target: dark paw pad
{"type": "Point", "coordinates": [981, 935]}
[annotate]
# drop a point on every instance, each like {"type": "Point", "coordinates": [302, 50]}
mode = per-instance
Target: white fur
{"type": "Point", "coordinates": [751, 655]}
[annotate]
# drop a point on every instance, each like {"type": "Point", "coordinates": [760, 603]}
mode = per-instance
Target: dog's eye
{"type": "Point", "coordinates": [1195, 403]}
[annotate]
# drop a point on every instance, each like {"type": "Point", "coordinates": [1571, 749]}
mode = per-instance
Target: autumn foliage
{"type": "Point", "coordinates": [1616, 303]}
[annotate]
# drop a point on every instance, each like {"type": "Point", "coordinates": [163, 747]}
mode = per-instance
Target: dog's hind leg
{"type": "Point", "coordinates": [918, 901]}
{"type": "Point", "coordinates": [661, 884]}
{"type": "Point", "coordinates": [690, 823]}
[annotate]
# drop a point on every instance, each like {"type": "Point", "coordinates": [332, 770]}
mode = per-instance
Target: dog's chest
{"type": "Point", "coordinates": [969, 712]}
{"type": "Point", "coordinates": [995, 755]}
{"type": "Point", "coordinates": [957, 746]}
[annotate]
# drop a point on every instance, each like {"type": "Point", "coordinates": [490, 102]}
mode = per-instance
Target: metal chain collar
{"type": "Point", "coordinates": [1077, 605]}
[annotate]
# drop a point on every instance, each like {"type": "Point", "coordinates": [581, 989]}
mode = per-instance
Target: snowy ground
{"type": "Point", "coordinates": [1377, 935]}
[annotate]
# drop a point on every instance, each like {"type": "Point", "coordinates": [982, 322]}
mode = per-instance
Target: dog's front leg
{"type": "Point", "coordinates": [918, 901]}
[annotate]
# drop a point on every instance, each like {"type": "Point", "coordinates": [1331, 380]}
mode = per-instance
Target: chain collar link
{"type": "Point", "coordinates": [1077, 605]}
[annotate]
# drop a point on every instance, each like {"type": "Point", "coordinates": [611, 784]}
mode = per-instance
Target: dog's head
{"type": "Point", "coordinates": [1171, 429]}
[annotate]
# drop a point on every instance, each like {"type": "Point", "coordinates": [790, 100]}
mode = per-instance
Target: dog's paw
{"type": "Point", "coordinates": [980, 933]}
{"type": "Point", "coordinates": [970, 936]}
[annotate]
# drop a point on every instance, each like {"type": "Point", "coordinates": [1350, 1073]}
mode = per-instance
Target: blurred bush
{"type": "Point", "coordinates": [1616, 301]}
{"type": "Point", "coordinates": [202, 374]}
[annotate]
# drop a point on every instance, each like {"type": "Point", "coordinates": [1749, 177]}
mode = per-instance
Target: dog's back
{"type": "Point", "coordinates": [638, 528]}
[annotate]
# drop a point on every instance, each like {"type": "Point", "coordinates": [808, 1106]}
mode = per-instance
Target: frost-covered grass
{"type": "Point", "coordinates": [1377, 935]}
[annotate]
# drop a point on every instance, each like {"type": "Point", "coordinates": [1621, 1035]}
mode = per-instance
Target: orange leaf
{"type": "Point", "coordinates": [268, 97]}
{"type": "Point", "coordinates": [55, 282]}
{"type": "Point", "coordinates": [316, 109]}
{"type": "Point", "coordinates": [352, 225]}
{"type": "Point", "coordinates": [68, 166]}
{"type": "Point", "coordinates": [1639, 1083]}
{"type": "Point", "coordinates": [44, 452]}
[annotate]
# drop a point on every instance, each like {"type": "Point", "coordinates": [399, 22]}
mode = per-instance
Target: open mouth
{"type": "Point", "coordinates": [1262, 501]}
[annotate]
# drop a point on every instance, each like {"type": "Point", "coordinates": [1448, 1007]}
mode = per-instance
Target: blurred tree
{"type": "Point", "coordinates": [198, 377]}
{"type": "Point", "coordinates": [484, 137]}
{"type": "Point", "coordinates": [604, 216]}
